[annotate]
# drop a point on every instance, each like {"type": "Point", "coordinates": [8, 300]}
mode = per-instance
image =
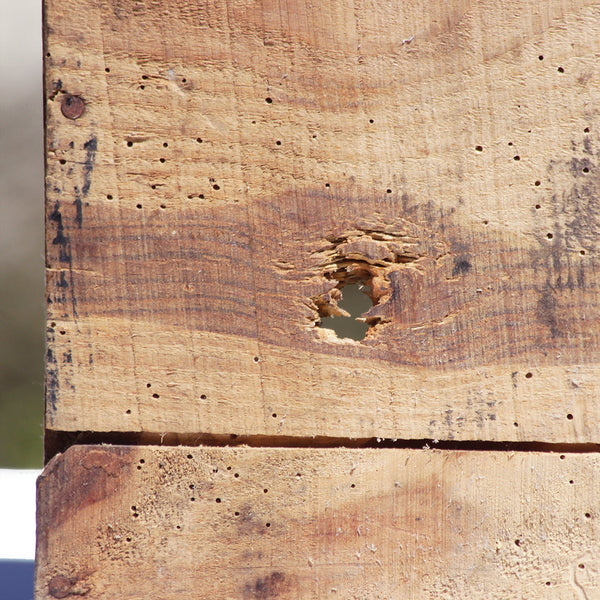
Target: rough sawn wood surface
{"type": "Point", "coordinates": [256, 523]}
{"type": "Point", "coordinates": [235, 161]}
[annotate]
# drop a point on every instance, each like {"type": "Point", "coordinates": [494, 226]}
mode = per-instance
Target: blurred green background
{"type": "Point", "coordinates": [21, 235]}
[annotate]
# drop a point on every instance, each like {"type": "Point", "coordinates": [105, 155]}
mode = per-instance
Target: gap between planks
{"type": "Point", "coordinates": [59, 441]}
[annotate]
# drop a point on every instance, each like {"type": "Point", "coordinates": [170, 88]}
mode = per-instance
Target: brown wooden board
{"type": "Point", "coordinates": [217, 171]}
{"type": "Point", "coordinates": [187, 522]}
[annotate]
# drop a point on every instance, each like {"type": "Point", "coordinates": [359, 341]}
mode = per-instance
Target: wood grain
{"type": "Point", "coordinates": [138, 522]}
{"type": "Point", "coordinates": [233, 158]}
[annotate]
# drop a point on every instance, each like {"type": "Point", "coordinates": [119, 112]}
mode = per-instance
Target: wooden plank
{"type": "Point", "coordinates": [214, 170]}
{"type": "Point", "coordinates": [141, 522]}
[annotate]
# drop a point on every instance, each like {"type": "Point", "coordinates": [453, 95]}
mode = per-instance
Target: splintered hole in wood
{"type": "Point", "coordinates": [352, 303]}
{"type": "Point", "coordinates": [356, 269]}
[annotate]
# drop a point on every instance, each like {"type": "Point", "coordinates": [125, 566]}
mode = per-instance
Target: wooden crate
{"type": "Point", "coordinates": [219, 175]}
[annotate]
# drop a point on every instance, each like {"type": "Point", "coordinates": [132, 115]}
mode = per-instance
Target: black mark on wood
{"type": "Point", "coordinates": [461, 266]}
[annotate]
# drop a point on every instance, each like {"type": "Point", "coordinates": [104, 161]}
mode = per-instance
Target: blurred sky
{"type": "Point", "coordinates": [21, 234]}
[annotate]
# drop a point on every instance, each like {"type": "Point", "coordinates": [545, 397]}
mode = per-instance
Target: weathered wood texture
{"type": "Point", "coordinates": [146, 522]}
{"type": "Point", "coordinates": [235, 160]}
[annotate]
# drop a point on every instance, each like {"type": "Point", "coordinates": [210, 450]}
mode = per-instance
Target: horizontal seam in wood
{"type": "Point", "coordinates": [59, 441]}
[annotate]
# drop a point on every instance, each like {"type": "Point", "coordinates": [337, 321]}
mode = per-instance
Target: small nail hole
{"type": "Point", "coordinates": [529, 375]}
{"type": "Point", "coordinates": [478, 148]}
{"type": "Point", "coordinates": [199, 140]}
{"type": "Point", "coordinates": [549, 235]}
{"type": "Point", "coordinates": [138, 206]}
{"type": "Point", "coordinates": [586, 130]}
{"type": "Point", "coordinates": [517, 157]}
{"type": "Point", "coordinates": [570, 417]}
{"type": "Point", "coordinates": [537, 183]}
{"type": "Point", "coordinates": [129, 144]}
{"type": "Point", "coordinates": [202, 396]}
{"type": "Point", "coordinates": [560, 70]}
{"type": "Point", "coordinates": [269, 100]}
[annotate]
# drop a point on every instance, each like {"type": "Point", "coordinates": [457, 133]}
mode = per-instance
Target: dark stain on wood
{"type": "Point", "coordinates": [63, 586]}
{"type": "Point", "coordinates": [60, 239]}
{"type": "Point", "coordinates": [546, 312]}
{"type": "Point", "coordinates": [428, 318]}
{"type": "Point", "coordinates": [88, 167]}
{"type": "Point", "coordinates": [274, 585]}
{"type": "Point", "coordinates": [461, 266]}
{"type": "Point", "coordinates": [52, 376]}
{"type": "Point", "coordinates": [77, 488]}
